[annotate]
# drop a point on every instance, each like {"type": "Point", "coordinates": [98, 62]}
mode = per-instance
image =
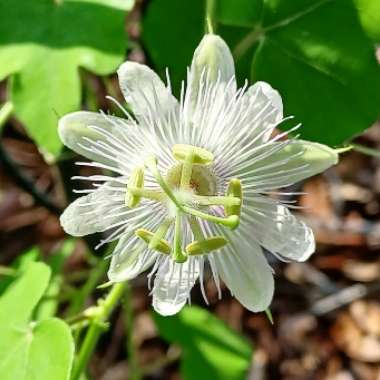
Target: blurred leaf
{"type": "Point", "coordinates": [211, 350]}
{"type": "Point", "coordinates": [369, 11]}
{"type": "Point", "coordinates": [48, 307]}
{"type": "Point", "coordinates": [30, 350]}
{"type": "Point", "coordinates": [20, 264]}
{"type": "Point", "coordinates": [239, 12]}
{"type": "Point", "coordinates": [314, 52]}
{"type": "Point", "coordinates": [43, 43]}
{"type": "Point", "coordinates": [330, 84]}
{"type": "Point", "coordinates": [171, 44]}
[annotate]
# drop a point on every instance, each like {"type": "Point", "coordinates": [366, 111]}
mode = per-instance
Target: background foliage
{"type": "Point", "coordinates": [319, 54]}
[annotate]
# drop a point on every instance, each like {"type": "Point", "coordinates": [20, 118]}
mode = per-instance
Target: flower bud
{"type": "Point", "coordinates": [213, 56]}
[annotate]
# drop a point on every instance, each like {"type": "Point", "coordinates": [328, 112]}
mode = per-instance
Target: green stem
{"type": "Point", "coordinates": [210, 16]}
{"type": "Point", "coordinates": [178, 255]}
{"type": "Point", "coordinates": [5, 112]}
{"type": "Point", "coordinates": [247, 42]}
{"type": "Point", "coordinates": [95, 275]}
{"type": "Point", "coordinates": [365, 150]}
{"type": "Point", "coordinates": [196, 228]}
{"type": "Point", "coordinates": [96, 328]}
{"type": "Point", "coordinates": [135, 372]}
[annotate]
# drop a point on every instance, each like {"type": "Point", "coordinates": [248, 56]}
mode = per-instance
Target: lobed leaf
{"type": "Point", "coordinates": [43, 43]}
{"type": "Point", "coordinates": [32, 350]}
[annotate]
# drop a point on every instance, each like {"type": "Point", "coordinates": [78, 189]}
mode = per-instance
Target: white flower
{"type": "Point", "coordinates": [192, 181]}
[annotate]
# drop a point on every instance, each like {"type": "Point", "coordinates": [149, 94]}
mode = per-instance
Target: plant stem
{"type": "Point", "coordinates": [97, 325]}
{"type": "Point", "coordinates": [210, 16]}
{"type": "Point", "coordinates": [365, 150]}
{"type": "Point", "coordinates": [135, 372]}
{"type": "Point", "coordinates": [93, 280]}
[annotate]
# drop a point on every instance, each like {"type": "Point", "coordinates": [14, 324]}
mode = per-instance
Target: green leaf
{"type": "Point", "coordinates": [239, 12]}
{"type": "Point", "coordinates": [330, 84]}
{"type": "Point", "coordinates": [211, 350]}
{"type": "Point", "coordinates": [369, 11]}
{"type": "Point", "coordinates": [30, 350]}
{"type": "Point", "coordinates": [314, 52]}
{"type": "Point", "coordinates": [43, 43]}
{"type": "Point", "coordinates": [20, 264]}
{"type": "Point", "coordinates": [49, 306]}
{"type": "Point", "coordinates": [171, 44]}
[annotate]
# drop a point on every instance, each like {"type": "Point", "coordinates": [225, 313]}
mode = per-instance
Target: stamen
{"type": "Point", "coordinates": [160, 233]}
{"type": "Point", "coordinates": [234, 189]}
{"type": "Point", "coordinates": [136, 181]}
{"type": "Point", "coordinates": [159, 245]}
{"type": "Point", "coordinates": [200, 155]}
{"type": "Point", "coordinates": [154, 195]}
{"type": "Point", "coordinates": [201, 247]}
{"type": "Point", "coordinates": [227, 201]}
{"type": "Point", "coordinates": [231, 221]}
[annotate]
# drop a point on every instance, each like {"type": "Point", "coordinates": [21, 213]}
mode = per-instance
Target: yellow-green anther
{"type": "Point", "coordinates": [216, 200]}
{"type": "Point", "coordinates": [179, 256]}
{"type": "Point", "coordinates": [136, 180]}
{"type": "Point", "coordinates": [231, 221]}
{"type": "Point", "coordinates": [151, 163]}
{"type": "Point", "coordinates": [160, 234]}
{"type": "Point", "coordinates": [234, 190]}
{"type": "Point", "coordinates": [206, 246]}
{"type": "Point", "coordinates": [154, 195]}
{"type": "Point", "coordinates": [199, 155]}
{"type": "Point", "coordinates": [161, 245]}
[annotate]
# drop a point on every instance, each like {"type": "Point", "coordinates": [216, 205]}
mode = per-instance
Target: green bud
{"type": "Point", "coordinates": [206, 246]}
{"type": "Point", "coordinates": [214, 56]}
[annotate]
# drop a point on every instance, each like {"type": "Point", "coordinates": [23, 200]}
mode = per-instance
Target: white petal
{"type": "Point", "coordinates": [129, 260]}
{"type": "Point", "coordinates": [89, 214]}
{"type": "Point", "coordinates": [74, 130]}
{"type": "Point", "coordinates": [214, 57]}
{"type": "Point", "coordinates": [212, 63]}
{"type": "Point", "coordinates": [262, 98]}
{"type": "Point", "coordinates": [276, 229]}
{"type": "Point", "coordinates": [173, 284]}
{"type": "Point", "coordinates": [244, 269]}
{"type": "Point", "coordinates": [144, 90]}
{"type": "Point", "coordinates": [281, 164]}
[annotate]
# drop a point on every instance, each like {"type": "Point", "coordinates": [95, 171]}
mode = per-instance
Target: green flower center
{"type": "Point", "coordinates": [188, 189]}
{"type": "Point", "coordinates": [202, 180]}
